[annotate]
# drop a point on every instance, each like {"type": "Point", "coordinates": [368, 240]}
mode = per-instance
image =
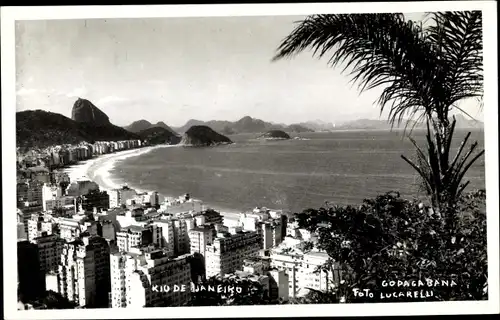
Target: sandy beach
{"type": "Point", "coordinates": [98, 169]}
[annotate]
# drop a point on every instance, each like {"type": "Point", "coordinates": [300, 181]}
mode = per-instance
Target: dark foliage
{"type": "Point", "coordinates": [390, 239]}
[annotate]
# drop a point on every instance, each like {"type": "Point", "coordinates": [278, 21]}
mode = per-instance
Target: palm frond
{"type": "Point", "coordinates": [457, 40]}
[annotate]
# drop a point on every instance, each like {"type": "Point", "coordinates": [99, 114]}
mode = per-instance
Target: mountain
{"type": "Point", "coordinates": [216, 125]}
{"type": "Point", "coordinates": [138, 126]}
{"type": "Point", "coordinates": [298, 128]}
{"type": "Point", "coordinates": [141, 125]}
{"type": "Point", "coordinates": [203, 136]}
{"type": "Point", "coordinates": [244, 125]}
{"type": "Point", "coordinates": [85, 111]}
{"type": "Point", "coordinates": [159, 135]}
{"type": "Point", "coordinates": [275, 135]}
{"type": "Point", "coordinates": [163, 125]}
{"type": "Point", "coordinates": [318, 125]}
{"type": "Point", "coordinates": [382, 124]}
{"type": "Point", "coordinates": [365, 124]}
{"type": "Point", "coordinates": [38, 128]}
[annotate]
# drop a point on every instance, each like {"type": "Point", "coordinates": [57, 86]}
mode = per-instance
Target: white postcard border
{"type": "Point", "coordinates": [10, 14]}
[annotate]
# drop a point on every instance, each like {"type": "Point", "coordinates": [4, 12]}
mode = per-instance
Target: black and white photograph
{"type": "Point", "coordinates": [330, 159]}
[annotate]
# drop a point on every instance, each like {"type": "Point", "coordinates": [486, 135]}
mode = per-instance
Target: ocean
{"type": "Point", "coordinates": [341, 168]}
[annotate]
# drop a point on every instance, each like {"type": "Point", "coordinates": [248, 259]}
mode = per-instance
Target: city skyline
{"type": "Point", "coordinates": [176, 69]}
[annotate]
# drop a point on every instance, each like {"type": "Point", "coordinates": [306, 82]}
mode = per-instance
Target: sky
{"type": "Point", "coordinates": [176, 69]}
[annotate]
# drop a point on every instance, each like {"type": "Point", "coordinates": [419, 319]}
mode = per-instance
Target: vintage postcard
{"type": "Point", "coordinates": [190, 161]}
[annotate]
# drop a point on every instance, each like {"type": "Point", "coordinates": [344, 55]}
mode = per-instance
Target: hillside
{"type": "Point", "coordinates": [158, 135]}
{"type": "Point", "coordinates": [140, 125]}
{"type": "Point", "coordinates": [38, 128]}
{"type": "Point", "coordinates": [244, 125]}
{"type": "Point", "coordinates": [203, 136]}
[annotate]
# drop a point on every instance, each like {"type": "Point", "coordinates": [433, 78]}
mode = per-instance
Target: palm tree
{"type": "Point", "coordinates": [424, 73]}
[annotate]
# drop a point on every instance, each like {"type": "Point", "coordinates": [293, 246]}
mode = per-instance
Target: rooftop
{"type": "Point", "coordinates": [133, 228]}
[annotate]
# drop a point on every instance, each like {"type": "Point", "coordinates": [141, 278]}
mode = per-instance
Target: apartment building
{"type": "Point", "coordinates": [84, 271]}
{"type": "Point", "coordinates": [94, 200]}
{"type": "Point", "coordinates": [200, 237]}
{"type": "Point", "coordinates": [70, 228]}
{"type": "Point", "coordinates": [50, 192]}
{"type": "Point", "coordinates": [31, 192]}
{"type": "Point", "coordinates": [301, 269]}
{"type": "Point", "coordinates": [165, 228]}
{"type": "Point", "coordinates": [25, 211]}
{"type": "Point", "coordinates": [228, 251]}
{"type": "Point", "coordinates": [292, 229]}
{"type": "Point", "coordinates": [133, 236]}
{"type": "Point", "coordinates": [279, 284]}
{"type": "Point", "coordinates": [212, 217]}
{"type": "Point", "coordinates": [66, 202]}
{"type": "Point", "coordinates": [30, 277]}
{"type": "Point", "coordinates": [118, 197]}
{"type": "Point", "coordinates": [134, 216]}
{"type": "Point", "coordinates": [182, 204]}
{"type": "Point", "coordinates": [181, 235]}
{"type": "Point", "coordinates": [50, 249]}
{"type": "Point", "coordinates": [269, 228]}
{"type": "Point", "coordinates": [41, 223]}
{"type": "Point", "coordinates": [278, 279]}
{"type": "Point", "coordinates": [21, 233]}
{"type": "Point", "coordinates": [140, 278]}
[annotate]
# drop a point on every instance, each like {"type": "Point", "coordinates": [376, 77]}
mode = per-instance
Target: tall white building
{"type": "Point", "coordinates": [200, 237]}
{"type": "Point", "coordinates": [50, 192]}
{"type": "Point", "coordinates": [133, 236]}
{"type": "Point", "coordinates": [228, 251]}
{"type": "Point", "coordinates": [301, 269]}
{"type": "Point", "coordinates": [84, 274]}
{"type": "Point", "coordinates": [166, 229]}
{"type": "Point", "coordinates": [149, 278]}
{"type": "Point", "coordinates": [279, 284]}
{"type": "Point", "coordinates": [268, 227]}
{"type": "Point", "coordinates": [117, 197]}
{"type": "Point", "coordinates": [40, 224]}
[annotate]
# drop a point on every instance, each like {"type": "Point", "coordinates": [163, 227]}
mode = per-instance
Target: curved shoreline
{"type": "Point", "coordinates": [99, 169]}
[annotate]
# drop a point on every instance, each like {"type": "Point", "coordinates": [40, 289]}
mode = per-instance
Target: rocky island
{"type": "Point", "coordinates": [158, 135]}
{"type": "Point", "coordinates": [275, 135]}
{"type": "Point", "coordinates": [203, 136]}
